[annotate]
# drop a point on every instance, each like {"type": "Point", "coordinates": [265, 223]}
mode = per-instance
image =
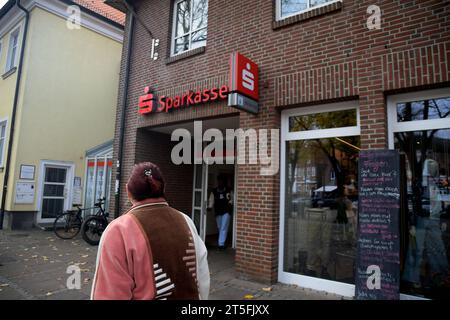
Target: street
{"type": "Point", "coordinates": [33, 265]}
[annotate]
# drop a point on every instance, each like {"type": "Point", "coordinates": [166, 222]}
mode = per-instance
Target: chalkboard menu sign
{"type": "Point", "coordinates": [378, 254]}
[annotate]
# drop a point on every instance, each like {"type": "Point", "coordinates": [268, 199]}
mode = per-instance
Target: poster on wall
{"type": "Point", "coordinates": [27, 172]}
{"type": "Point", "coordinates": [77, 191]}
{"type": "Point", "coordinates": [24, 193]}
{"type": "Point", "coordinates": [378, 253]}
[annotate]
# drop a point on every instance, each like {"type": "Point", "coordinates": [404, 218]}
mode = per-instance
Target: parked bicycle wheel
{"type": "Point", "coordinates": [92, 229]}
{"type": "Point", "coordinates": [67, 225]}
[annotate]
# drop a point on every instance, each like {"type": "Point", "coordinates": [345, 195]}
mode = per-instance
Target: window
{"type": "Point", "coordinates": [419, 127]}
{"type": "Point", "coordinates": [12, 50]}
{"type": "Point", "coordinates": [190, 25]}
{"type": "Point", "coordinates": [318, 216]}
{"type": "Point", "coordinates": [2, 141]}
{"type": "Point", "coordinates": [98, 176]}
{"type": "Point", "coordinates": [287, 8]}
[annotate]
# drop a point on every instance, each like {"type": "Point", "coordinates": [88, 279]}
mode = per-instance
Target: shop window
{"type": "Point", "coordinates": [288, 8]}
{"type": "Point", "coordinates": [98, 177]}
{"type": "Point", "coordinates": [2, 141]}
{"type": "Point", "coordinates": [12, 50]}
{"type": "Point", "coordinates": [319, 216]}
{"type": "Point", "coordinates": [420, 130]}
{"type": "Point", "coordinates": [190, 20]}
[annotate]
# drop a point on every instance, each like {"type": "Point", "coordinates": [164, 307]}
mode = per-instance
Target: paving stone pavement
{"type": "Point", "coordinates": [33, 265]}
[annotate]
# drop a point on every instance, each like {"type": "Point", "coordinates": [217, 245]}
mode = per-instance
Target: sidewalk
{"type": "Point", "coordinates": [33, 265]}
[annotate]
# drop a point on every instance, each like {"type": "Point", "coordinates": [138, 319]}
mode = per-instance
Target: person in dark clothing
{"type": "Point", "coordinates": [221, 199]}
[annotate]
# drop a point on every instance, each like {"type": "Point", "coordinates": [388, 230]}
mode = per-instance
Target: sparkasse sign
{"type": "Point", "coordinates": [242, 92]}
{"type": "Point", "coordinates": [148, 103]}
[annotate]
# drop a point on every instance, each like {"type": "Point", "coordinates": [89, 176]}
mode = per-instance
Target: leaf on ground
{"type": "Point", "coordinates": [33, 247]}
{"type": "Point", "coordinates": [84, 255]}
{"type": "Point", "coordinates": [25, 259]}
{"type": "Point", "coordinates": [26, 249]}
{"type": "Point", "coordinates": [248, 296]}
{"type": "Point", "coordinates": [4, 285]}
{"type": "Point", "coordinates": [51, 240]}
{"type": "Point", "coordinates": [267, 289]}
{"type": "Point", "coordinates": [86, 280]}
{"type": "Point", "coordinates": [34, 256]}
{"type": "Point", "coordinates": [52, 261]}
{"type": "Point", "coordinates": [49, 294]}
{"type": "Point", "coordinates": [60, 255]}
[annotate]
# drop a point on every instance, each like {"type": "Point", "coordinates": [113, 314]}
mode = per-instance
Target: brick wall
{"type": "Point", "coordinates": [315, 59]}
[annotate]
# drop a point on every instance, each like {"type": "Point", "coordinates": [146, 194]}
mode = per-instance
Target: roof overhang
{"type": "Point", "coordinates": [4, 10]}
{"type": "Point", "coordinates": [117, 4]}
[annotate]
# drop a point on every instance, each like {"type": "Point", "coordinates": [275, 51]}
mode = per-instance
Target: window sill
{"type": "Point", "coordinates": [8, 73]}
{"type": "Point", "coordinates": [335, 6]}
{"type": "Point", "coordinates": [185, 55]}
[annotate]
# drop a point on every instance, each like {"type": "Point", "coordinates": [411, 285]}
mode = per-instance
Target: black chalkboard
{"type": "Point", "coordinates": [378, 253]}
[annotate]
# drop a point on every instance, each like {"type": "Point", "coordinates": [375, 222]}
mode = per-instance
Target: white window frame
{"type": "Point", "coordinates": [174, 27]}
{"type": "Point", "coordinates": [105, 156]}
{"type": "Point", "coordinates": [10, 58]}
{"type": "Point", "coordinates": [278, 9]}
{"type": "Point", "coordinates": [340, 288]}
{"type": "Point", "coordinates": [1, 47]}
{"type": "Point", "coordinates": [3, 121]}
{"type": "Point", "coordinates": [70, 167]}
{"type": "Point", "coordinates": [431, 124]}
{"type": "Point", "coordinates": [394, 126]}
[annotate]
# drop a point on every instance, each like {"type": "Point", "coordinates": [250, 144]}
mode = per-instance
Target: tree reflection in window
{"type": "Point", "coordinates": [291, 7]}
{"type": "Point", "coordinates": [190, 25]}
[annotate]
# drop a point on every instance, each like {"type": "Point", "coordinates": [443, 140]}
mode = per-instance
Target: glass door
{"type": "Point", "coordinates": [55, 192]}
{"type": "Point", "coordinates": [319, 199]}
{"type": "Point", "coordinates": [419, 126]}
{"type": "Point", "coordinates": [200, 198]}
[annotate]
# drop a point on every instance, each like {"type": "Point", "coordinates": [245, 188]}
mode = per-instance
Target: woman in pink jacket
{"type": "Point", "coordinates": [153, 251]}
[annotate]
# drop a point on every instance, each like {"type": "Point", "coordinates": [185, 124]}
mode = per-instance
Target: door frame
{"type": "Point", "coordinates": [339, 288]}
{"type": "Point", "coordinates": [70, 166]}
{"type": "Point", "coordinates": [205, 199]}
{"type": "Point", "coordinates": [394, 126]}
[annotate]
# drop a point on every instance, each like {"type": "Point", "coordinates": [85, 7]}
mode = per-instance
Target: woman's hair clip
{"type": "Point", "coordinates": [148, 172]}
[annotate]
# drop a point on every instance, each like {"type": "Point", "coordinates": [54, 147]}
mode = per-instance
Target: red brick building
{"type": "Point", "coordinates": [334, 82]}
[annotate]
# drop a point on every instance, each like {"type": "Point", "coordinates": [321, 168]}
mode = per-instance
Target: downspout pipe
{"type": "Point", "coordinates": [123, 106]}
{"type": "Point", "coordinates": [13, 115]}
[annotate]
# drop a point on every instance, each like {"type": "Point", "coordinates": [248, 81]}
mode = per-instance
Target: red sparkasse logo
{"type": "Point", "coordinates": [244, 76]}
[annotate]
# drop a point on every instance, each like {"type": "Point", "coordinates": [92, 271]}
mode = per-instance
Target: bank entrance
{"type": "Point", "coordinates": [189, 185]}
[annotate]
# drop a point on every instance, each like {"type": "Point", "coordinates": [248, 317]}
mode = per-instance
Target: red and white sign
{"type": "Point", "coordinates": [242, 93]}
{"type": "Point", "coordinates": [148, 103]}
{"type": "Point", "coordinates": [244, 76]}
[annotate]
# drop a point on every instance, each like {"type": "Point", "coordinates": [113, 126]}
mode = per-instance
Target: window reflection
{"type": "Point", "coordinates": [325, 120]}
{"type": "Point", "coordinates": [426, 266]}
{"type": "Point", "coordinates": [290, 7]}
{"type": "Point", "coordinates": [190, 25]}
{"type": "Point", "coordinates": [321, 207]}
{"type": "Point", "coordinates": [423, 110]}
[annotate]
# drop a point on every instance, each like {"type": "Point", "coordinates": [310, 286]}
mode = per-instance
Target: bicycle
{"type": "Point", "coordinates": [92, 228]}
{"type": "Point", "coordinates": [68, 224]}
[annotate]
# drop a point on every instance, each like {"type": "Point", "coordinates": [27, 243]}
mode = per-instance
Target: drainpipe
{"type": "Point", "coordinates": [123, 105]}
{"type": "Point", "coordinates": [13, 116]}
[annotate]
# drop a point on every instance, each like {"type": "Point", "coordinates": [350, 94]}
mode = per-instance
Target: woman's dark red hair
{"type": "Point", "coordinates": [146, 181]}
